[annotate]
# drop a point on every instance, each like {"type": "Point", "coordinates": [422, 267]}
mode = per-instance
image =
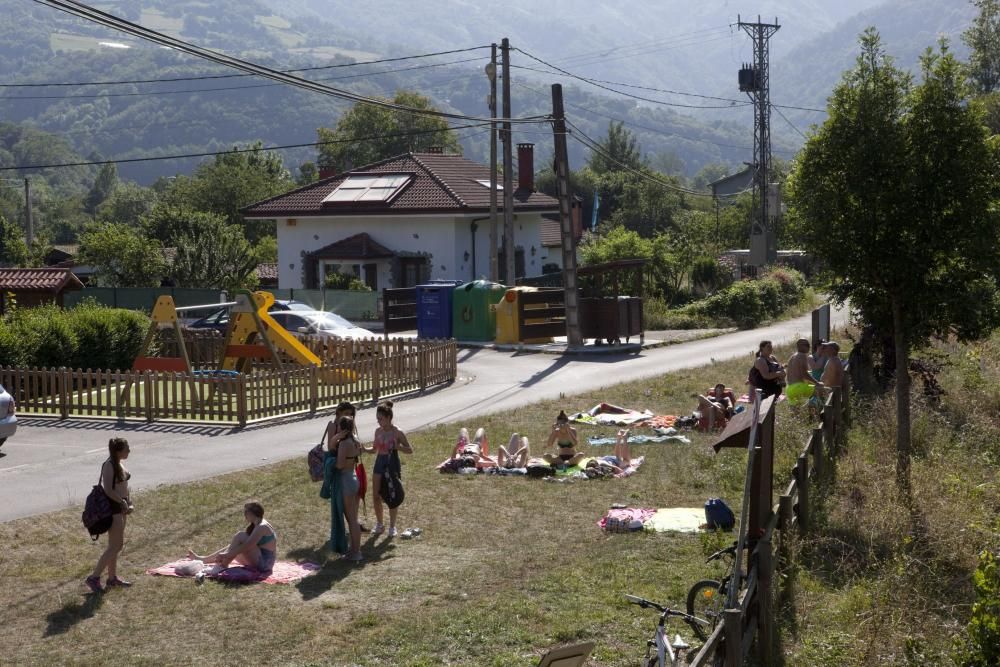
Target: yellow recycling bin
{"type": "Point", "coordinates": [507, 317]}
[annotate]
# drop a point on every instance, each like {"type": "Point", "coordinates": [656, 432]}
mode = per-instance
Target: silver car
{"type": "Point", "coordinates": [8, 420]}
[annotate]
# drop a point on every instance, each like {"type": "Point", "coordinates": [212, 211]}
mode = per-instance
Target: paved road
{"type": "Point", "coordinates": [52, 464]}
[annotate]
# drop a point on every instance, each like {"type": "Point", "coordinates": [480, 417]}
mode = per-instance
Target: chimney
{"type": "Point", "coordinates": [327, 172]}
{"type": "Point", "coordinates": [526, 167]}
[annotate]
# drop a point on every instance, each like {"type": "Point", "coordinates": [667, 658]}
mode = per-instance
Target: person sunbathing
{"type": "Point", "coordinates": [473, 450]}
{"type": "Point", "coordinates": [619, 462]}
{"type": "Point", "coordinates": [564, 437]}
{"type": "Point", "coordinates": [255, 547]}
{"type": "Point", "coordinates": [515, 454]}
{"type": "Point", "coordinates": [719, 399]}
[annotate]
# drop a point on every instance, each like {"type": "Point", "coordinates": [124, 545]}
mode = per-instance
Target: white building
{"type": "Point", "coordinates": [408, 219]}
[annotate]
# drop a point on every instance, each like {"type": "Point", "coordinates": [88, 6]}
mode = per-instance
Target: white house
{"type": "Point", "coordinates": [408, 219]}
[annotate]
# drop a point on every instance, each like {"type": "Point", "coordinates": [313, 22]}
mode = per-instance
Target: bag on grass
{"type": "Point", "coordinates": [314, 459]}
{"type": "Point", "coordinates": [539, 468]}
{"type": "Point", "coordinates": [392, 485]}
{"type": "Point", "coordinates": [97, 515]}
{"type": "Point", "coordinates": [718, 514]}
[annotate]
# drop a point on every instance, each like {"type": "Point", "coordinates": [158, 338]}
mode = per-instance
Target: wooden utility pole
{"type": "Point", "coordinates": [29, 224]}
{"type": "Point", "coordinates": [508, 169]}
{"type": "Point", "coordinates": [491, 72]}
{"type": "Point", "coordinates": [568, 243]}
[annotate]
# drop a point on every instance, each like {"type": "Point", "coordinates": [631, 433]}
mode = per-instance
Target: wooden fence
{"type": "Point", "coordinates": [752, 620]}
{"type": "Point", "coordinates": [357, 371]}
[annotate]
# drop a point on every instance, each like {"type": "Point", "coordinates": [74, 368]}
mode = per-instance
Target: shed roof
{"type": "Point", "coordinates": [38, 280]}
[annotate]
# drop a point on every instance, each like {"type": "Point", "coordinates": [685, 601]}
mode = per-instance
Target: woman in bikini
{"type": "Point", "coordinates": [114, 480]}
{"type": "Point", "coordinates": [564, 437]}
{"type": "Point", "coordinates": [387, 438]}
{"type": "Point", "coordinates": [348, 451]}
{"type": "Point", "coordinates": [255, 548]}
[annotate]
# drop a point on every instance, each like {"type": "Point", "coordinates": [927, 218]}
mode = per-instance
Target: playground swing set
{"type": "Point", "coordinates": [252, 334]}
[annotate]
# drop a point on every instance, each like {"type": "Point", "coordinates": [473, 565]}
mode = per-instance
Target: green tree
{"type": "Point", "coordinates": [13, 249]}
{"type": "Point", "coordinates": [127, 204]}
{"type": "Point", "coordinates": [983, 38]}
{"type": "Point", "coordinates": [214, 254]}
{"type": "Point", "coordinates": [395, 132]}
{"type": "Point", "coordinates": [618, 151]}
{"type": "Point", "coordinates": [895, 194]}
{"type": "Point", "coordinates": [169, 222]}
{"type": "Point", "coordinates": [122, 256]}
{"type": "Point", "coordinates": [104, 185]}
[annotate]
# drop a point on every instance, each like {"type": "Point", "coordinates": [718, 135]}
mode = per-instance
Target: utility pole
{"type": "Point", "coordinates": [491, 72]}
{"type": "Point", "coordinates": [29, 225]}
{"type": "Point", "coordinates": [568, 243]}
{"type": "Point", "coordinates": [508, 169]}
{"type": "Point", "coordinates": [755, 81]}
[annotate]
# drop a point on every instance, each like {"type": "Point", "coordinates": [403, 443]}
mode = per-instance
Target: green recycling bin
{"type": "Point", "coordinates": [472, 315]}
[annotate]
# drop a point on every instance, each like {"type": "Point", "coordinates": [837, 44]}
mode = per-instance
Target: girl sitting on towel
{"type": "Point", "coordinates": [255, 548]}
{"type": "Point", "coordinates": [564, 437]}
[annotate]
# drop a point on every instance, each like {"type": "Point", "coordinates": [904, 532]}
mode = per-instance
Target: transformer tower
{"type": "Point", "coordinates": [754, 80]}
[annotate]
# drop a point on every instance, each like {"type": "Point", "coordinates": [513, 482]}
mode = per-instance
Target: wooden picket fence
{"type": "Point", "coordinates": [356, 371]}
{"type": "Point", "coordinates": [751, 622]}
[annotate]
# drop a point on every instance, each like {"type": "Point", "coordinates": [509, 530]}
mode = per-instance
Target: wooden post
{"type": "Point", "coordinates": [376, 389]}
{"type": "Point", "coordinates": [802, 481]}
{"type": "Point", "coordinates": [784, 512]}
{"type": "Point", "coordinates": [147, 392]}
{"type": "Point", "coordinates": [313, 388]}
{"type": "Point", "coordinates": [241, 400]}
{"type": "Point", "coordinates": [765, 614]}
{"type": "Point", "coordinates": [422, 366]}
{"type": "Point", "coordinates": [63, 393]}
{"type": "Point", "coordinates": [838, 416]}
{"type": "Point", "coordinates": [818, 452]}
{"type": "Point", "coordinates": [733, 632]}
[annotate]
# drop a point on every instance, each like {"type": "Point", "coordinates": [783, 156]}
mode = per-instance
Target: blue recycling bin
{"type": "Point", "coordinates": [434, 308]}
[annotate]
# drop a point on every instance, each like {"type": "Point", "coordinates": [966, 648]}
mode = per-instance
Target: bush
{"type": "Point", "coordinates": [89, 336]}
{"type": "Point", "coordinates": [749, 302]}
{"type": "Point", "coordinates": [345, 281]}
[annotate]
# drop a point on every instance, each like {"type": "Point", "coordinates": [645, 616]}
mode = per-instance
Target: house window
{"type": "Point", "coordinates": [368, 188]}
{"type": "Point", "coordinates": [414, 271]}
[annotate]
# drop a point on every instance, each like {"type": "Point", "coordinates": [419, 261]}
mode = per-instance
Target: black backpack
{"type": "Point", "coordinates": [392, 485]}
{"type": "Point", "coordinates": [97, 515]}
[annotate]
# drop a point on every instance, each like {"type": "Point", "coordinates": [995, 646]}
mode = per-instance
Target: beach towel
{"type": "Point", "coordinates": [625, 520]}
{"type": "Point", "coordinates": [284, 572]}
{"type": "Point", "coordinates": [661, 422]}
{"type": "Point", "coordinates": [578, 471]}
{"type": "Point", "coordinates": [676, 519]}
{"type": "Point", "coordinates": [607, 414]}
{"type": "Point", "coordinates": [638, 439]}
{"type": "Point", "coordinates": [447, 466]}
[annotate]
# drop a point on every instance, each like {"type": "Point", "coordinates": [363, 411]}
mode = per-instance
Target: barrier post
{"type": "Point", "coordinates": [733, 630]}
{"type": "Point", "coordinates": [802, 481]}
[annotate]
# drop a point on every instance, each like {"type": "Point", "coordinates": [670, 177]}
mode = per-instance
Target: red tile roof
{"type": "Point", "coordinates": [442, 183]}
{"type": "Point", "coordinates": [38, 280]}
{"type": "Point", "coordinates": [359, 246]}
{"type": "Point", "coordinates": [267, 271]}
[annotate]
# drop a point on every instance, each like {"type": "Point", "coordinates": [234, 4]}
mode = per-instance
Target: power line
{"type": "Point", "coordinates": [735, 104]}
{"type": "Point", "coordinates": [226, 88]}
{"type": "Point", "coordinates": [311, 144]}
{"type": "Point", "coordinates": [598, 58]}
{"type": "Point", "coordinates": [108, 20]}
{"type": "Point", "coordinates": [237, 76]}
{"type": "Point", "coordinates": [596, 147]}
{"type": "Point", "coordinates": [604, 53]}
{"type": "Point", "coordinates": [790, 124]}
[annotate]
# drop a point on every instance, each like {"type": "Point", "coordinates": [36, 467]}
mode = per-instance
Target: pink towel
{"type": "Point", "coordinates": [619, 520]}
{"type": "Point", "coordinates": [285, 572]}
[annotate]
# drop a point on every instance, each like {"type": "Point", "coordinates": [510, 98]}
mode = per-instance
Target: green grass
{"type": "Point", "coordinates": [505, 569]}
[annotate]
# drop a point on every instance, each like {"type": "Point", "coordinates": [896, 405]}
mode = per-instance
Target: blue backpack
{"type": "Point", "coordinates": [718, 514]}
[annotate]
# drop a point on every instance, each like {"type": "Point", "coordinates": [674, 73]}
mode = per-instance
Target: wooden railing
{"type": "Point", "coordinates": [752, 621]}
{"type": "Point", "coordinates": [357, 371]}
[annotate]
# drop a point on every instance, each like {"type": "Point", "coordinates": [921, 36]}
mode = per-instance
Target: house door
{"type": "Point", "coordinates": [413, 271]}
{"type": "Point", "coordinates": [371, 276]}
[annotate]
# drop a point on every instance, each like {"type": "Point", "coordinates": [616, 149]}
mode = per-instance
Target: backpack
{"type": "Point", "coordinates": [718, 514]}
{"type": "Point", "coordinates": [392, 485]}
{"type": "Point", "coordinates": [314, 459]}
{"type": "Point", "coordinates": [97, 516]}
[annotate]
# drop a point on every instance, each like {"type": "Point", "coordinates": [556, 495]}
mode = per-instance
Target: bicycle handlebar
{"type": "Point", "coordinates": [666, 611]}
{"type": "Point", "coordinates": [721, 552]}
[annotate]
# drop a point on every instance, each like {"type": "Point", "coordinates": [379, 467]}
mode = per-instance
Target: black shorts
{"type": "Point", "coordinates": [567, 457]}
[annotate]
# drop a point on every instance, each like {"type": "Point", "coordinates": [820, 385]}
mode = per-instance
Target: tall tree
{"type": "Point", "coordinates": [214, 254]}
{"type": "Point", "coordinates": [618, 151]}
{"type": "Point", "coordinates": [367, 133]}
{"type": "Point", "coordinates": [13, 249]}
{"type": "Point", "coordinates": [895, 193]}
{"type": "Point", "coordinates": [122, 256]}
{"type": "Point", "coordinates": [983, 37]}
{"type": "Point", "coordinates": [104, 185]}
{"type": "Point", "coordinates": [127, 204]}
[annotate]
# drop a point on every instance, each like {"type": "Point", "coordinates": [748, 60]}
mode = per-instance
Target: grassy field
{"type": "Point", "coordinates": [505, 569]}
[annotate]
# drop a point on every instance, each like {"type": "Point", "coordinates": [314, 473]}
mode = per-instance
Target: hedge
{"type": "Point", "coordinates": [89, 336]}
{"type": "Point", "coordinates": [747, 303]}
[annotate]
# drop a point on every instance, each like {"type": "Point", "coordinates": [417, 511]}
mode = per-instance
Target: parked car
{"type": "Point", "coordinates": [8, 418]}
{"type": "Point", "coordinates": [320, 323]}
{"type": "Point", "coordinates": [218, 320]}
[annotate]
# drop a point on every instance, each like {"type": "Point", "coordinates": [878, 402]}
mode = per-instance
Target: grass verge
{"type": "Point", "coordinates": [505, 568]}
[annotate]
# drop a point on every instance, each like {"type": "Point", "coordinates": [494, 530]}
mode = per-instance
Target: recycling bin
{"type": "Point", "coordinates": [472, 313]}
{"type": "Point", "coordinates": [434, 309]}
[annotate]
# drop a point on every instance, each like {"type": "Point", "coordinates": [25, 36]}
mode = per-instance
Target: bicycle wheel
{"type": "Point", "coordinates": [705, 601]}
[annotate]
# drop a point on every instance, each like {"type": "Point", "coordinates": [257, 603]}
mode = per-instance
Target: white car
{"type": "Point", "coordinates": [8, 420]}
{"type": "Point", "coordinates": [319, 323]}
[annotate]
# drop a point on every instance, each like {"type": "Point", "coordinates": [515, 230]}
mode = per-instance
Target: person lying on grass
{"type": "Point", "coordinates": [616, 464]}
{"type": "Point", "coordinates": [515, 454]}
{"type": "Point", "coordinates": [474, 451]}
{"type": "Point", "coordinates": [564, 437]}
{"type": "Point", "coordinates": [255, 548]}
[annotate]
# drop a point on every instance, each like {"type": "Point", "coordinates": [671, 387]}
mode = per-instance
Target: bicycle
{"type": "Point", "coordinates": [667, 652]}
{"type": "Point", "coordinates": [707, 598]}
